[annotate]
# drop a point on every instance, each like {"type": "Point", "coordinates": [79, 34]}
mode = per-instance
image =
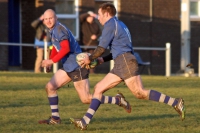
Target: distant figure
{"type": "Point", "coordinates": [90, 31]}
{"type": "Point", "coordinates": [40, 36]}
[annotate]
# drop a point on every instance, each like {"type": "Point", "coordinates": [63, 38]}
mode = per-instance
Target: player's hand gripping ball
{"type": "Point", "coordinates": [82, 56]}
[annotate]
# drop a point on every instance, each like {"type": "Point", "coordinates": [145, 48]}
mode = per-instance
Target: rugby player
{"type": "Point", "coordinates": [116, 35]}
{"type": "Point", "coordinates": [65, 48]}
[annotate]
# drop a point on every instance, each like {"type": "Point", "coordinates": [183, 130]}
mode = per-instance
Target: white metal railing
{"type": "Point", "coordinates": [199, 62]}
{"type": "Point", "coordinates": [167, 50]}
{"type": "Point", "coordinates": [17, 44]}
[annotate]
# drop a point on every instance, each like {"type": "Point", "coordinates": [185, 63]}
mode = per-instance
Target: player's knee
{"type": "Point", "coordinates": [86, 100]}
{"type": "Point", "coordinates": [98, 89]}
{"type": "Point", "coordinates": [49, 88]}
{"type": "Point", "coordinates": [140, 95]}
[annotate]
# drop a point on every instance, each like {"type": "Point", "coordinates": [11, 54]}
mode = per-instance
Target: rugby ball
{"type": "Point", "coordinates": [84, 55]}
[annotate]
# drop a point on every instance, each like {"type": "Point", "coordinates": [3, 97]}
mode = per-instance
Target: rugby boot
{"type": "Point", "coordinates": [180, 108]}
{"type": "Point", "coordinates": [50, 121]}
{"type": "Point", "coordinates": [79, 123]}
{"type": "Point", "coordinates": [123, 103]}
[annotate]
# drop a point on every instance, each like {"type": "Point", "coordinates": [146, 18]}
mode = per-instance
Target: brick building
{"type": "Point", "coordinates": [149, 27]}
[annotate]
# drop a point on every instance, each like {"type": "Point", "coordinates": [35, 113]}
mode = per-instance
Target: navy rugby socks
{"type": "Point", "coordinates": [108, 99]}
{"type": "Point", "coordinates": [159, 97]}
{"type": "Point", "coordinates": [95, 103]}
{"type": "Point", "coordinates": [53, 101]}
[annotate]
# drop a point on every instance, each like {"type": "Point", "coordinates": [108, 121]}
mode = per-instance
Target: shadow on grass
{"type": "Point", "coordinates": [32, 86]}
{"type": "Point", "coordinates": [18, 105]}
{"type": "Point", "coordinates": [135, 118]}
{"type": "Point", "coordinates": [43, 102]}
{"type": "Point", "coordinates": [124, 119]}
{"type": "Point", "coordinates": [25, 74]}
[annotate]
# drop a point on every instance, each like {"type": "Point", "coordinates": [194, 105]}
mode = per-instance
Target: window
{"type": "Point", "coordinates": [67, 13]}
{"type": "Point", "coordinates": [195, 9]}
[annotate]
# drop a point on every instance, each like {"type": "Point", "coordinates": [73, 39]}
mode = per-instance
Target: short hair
{"type": "Point", "coordinates": [108, 7]}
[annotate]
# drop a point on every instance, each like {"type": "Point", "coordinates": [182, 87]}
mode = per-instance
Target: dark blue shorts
{"type": "Point", "coordinates": [78, 74]}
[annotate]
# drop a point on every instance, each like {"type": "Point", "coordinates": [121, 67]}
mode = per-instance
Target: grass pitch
{"type": "Point", "coordinates": [23, 102]}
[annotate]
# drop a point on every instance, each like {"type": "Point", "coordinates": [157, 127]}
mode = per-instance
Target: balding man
{"type": "Point", "coordinates": [65, 48]}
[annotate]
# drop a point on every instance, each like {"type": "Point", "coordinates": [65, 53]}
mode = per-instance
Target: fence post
{"type": "Point", "coordinates": [199, 62]}
{"type": "Point", "coordinates": [45, 53]}
{"type": "Point", "coordinates": [168, 60]}
{"type": "Point", "coordinates": [55, 67]}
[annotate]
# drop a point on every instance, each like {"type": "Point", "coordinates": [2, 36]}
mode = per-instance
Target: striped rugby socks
{"type": "Point", "coordinates": [53, 101]}
{"type": "Point", "coordinates": [95, 103]}
{"type": "Point", "coordinates": [159, 97]}
{"type": "Point", "coordinates": [110, 100]}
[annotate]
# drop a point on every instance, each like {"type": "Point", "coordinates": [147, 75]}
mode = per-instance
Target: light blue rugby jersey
{"type": "Point", "coordinates": [59, 33]}
{"type": "Point", "coordinates": [116, 35]}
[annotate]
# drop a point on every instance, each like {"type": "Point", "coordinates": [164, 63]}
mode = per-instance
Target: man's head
{"type": "Point", "coordinates": [49, 18]}
{"type": "Point", "coordinates": [90, 19]}
{"type": "Point", "coordinates": [105, 12]}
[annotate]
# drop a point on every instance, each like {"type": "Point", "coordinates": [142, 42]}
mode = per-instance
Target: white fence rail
{"type": "Point", "coordinates": [167, 50]}
{"type": "Point", "coordinates": [199, 62]}
{"type": "Point", "coordinates": [17, 44]}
